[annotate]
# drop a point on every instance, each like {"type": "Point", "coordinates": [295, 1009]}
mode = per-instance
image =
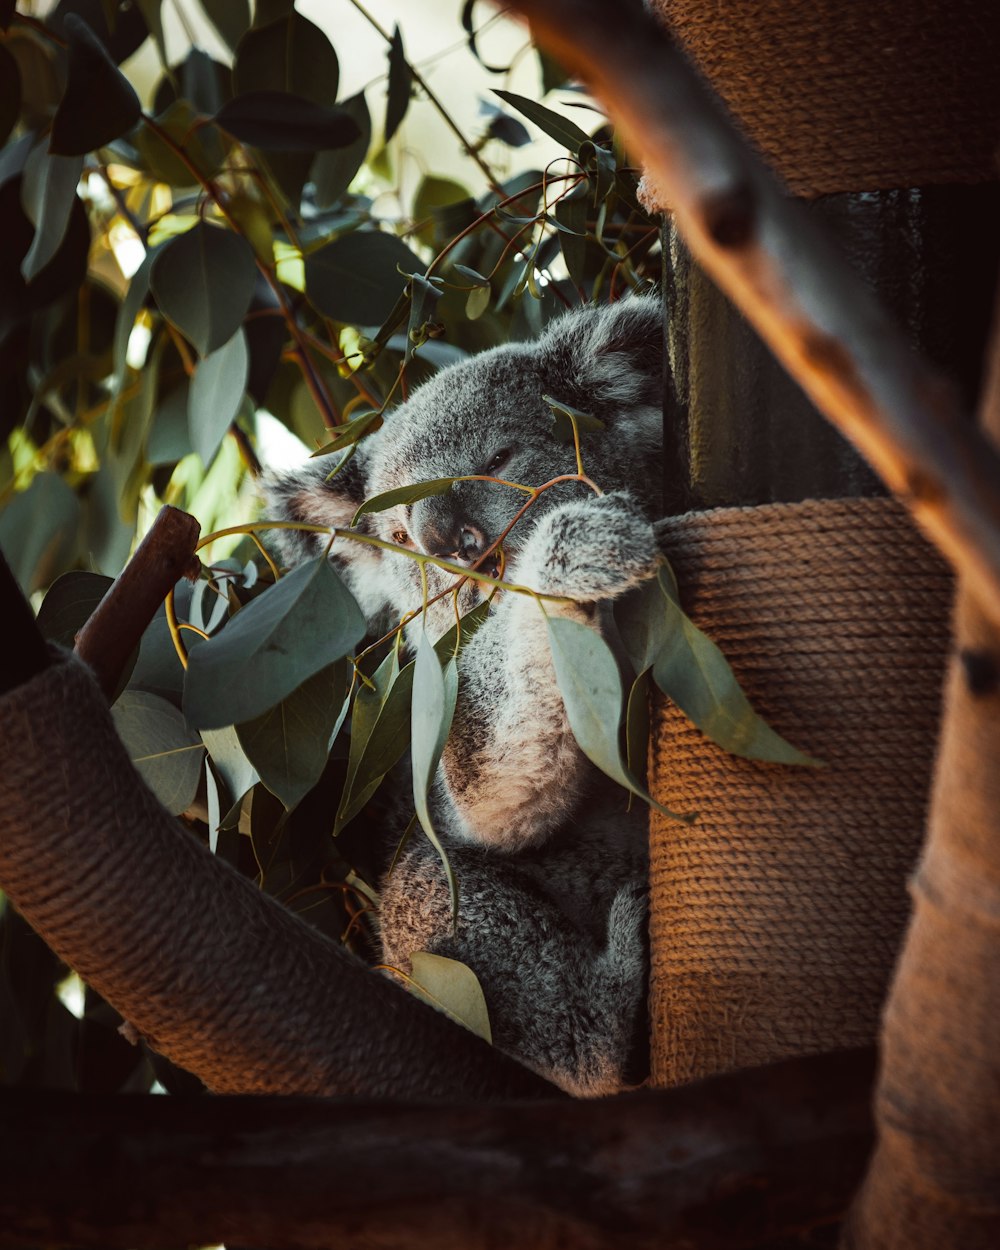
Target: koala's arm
{"type": "Point", "coordinates": [511, 770]}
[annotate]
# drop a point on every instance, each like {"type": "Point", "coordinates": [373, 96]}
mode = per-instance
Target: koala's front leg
{"type": "Point", "coordinates": [511, 769]}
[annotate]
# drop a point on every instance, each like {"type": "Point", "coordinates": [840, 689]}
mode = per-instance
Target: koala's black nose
{"type": "Point", "coordinates": [442, 529]}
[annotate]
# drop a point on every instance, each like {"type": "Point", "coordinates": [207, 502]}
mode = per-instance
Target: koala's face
{"type": "Point", "coordinates": [487, 417]}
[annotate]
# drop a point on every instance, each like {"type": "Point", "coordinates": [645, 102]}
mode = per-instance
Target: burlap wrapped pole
{"type": "Point", "coordinates": [777, 915]}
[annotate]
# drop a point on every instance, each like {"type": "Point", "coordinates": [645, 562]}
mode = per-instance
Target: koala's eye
{"type": "Point", "coordinates": [499, 460]}
{"type": "Point", "coordinates": [400, 537]}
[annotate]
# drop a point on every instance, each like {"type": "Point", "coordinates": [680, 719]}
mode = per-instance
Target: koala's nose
{"type": "Point", "coordinates": [464, 541]}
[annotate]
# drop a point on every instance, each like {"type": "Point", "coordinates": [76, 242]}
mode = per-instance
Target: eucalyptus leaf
{"type": "Point", "coordinates": [270, 647]}
{"type": "Point", "coordinates": [231, 19]}
{"type": "Point", "coordinates": [288, 745]}
{"type": "Point", "coordinates": [39, 531]}
{"type": "Point", "coordinates": [435, 694]}
{"type": "Point", "coordinates": [358, 278]}
{"type": "Point", "coordinates": [404, 495]}
{"type": "Point", "coordinates": [69, 603]}
{"type": "Point", "coordinates": [556, 127]}
{"type": "Point", "coordinates": [334, 170]}
{"type": "Point", "coordinates": [380, 734]}
{"type": "Point", "coordinates": [48, 193]}
{"type": "Point", "coordinates": [215, 395]}
{"type": "Point", "coordinates": [397, 99]}
{"type": "Point", "coordinates": [99, 103]}
{"type": "Point", "coordinates": [286, 122]}
{"type": "Point", "coordinates": [351, 432]}
{"type": "Point", "coordinates": [691, 670]}
{"type": "Point", "coordinates": [452, 987]}
{"type": "Point", "coordinates": [637, 728]}
{"type": "Point", "coordinates": [591, 688]}
{"type": "Point", "coordinates": [167, 753]}
{"type": "Point", "coordinates": [203, 281]}
{"type": "Point", "coordinates": [230, 760]}
{"type": "Point", "coordinates": [566, 419]}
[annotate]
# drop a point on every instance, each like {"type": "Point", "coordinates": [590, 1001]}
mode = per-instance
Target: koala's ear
{"type": "Point", "coordinates": [610, 358]}
{"type": "Point", "coordinates": [312, 496]}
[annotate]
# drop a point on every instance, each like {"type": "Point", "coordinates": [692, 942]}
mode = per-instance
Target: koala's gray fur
{"type": "Point", "coordinates": [551, 870]}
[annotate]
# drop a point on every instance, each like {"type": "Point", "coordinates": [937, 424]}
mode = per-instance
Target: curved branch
{"type": "Point", "coordinates": [765, 252]}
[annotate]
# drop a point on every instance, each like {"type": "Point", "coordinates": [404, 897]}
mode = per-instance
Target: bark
{"type": "Point", "coordinates": [116, 626]}
{"type": "Point", "coordinates": [935, 1177]}
{"type": "Point", "coordinates": [766, 253]}
{"type": "Point", "coordinates": [742, 1160]}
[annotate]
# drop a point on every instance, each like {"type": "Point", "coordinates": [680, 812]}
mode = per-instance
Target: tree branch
{"type": "Point", "coordinates": [738, 1161]}
{"type": "Point", "coordinates": [118, 622]}
{"type": "Point", "coordinates": [786, 276]}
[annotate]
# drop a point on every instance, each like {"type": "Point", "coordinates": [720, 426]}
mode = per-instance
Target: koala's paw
{"type": "Point", "coordinates": [626, 952]}
{"type": "Point", "coordinates": [590, 549]}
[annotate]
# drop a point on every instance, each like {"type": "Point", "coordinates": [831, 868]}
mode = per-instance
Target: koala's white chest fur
{"type": "Point", "coordinates": [551, 869]}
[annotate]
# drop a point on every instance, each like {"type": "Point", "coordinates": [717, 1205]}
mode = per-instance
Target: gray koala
{"type": "Point", "coordinates": [551, 869]}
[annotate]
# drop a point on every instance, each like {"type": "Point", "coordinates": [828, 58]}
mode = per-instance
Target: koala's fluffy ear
{"type": "Point", "coordinates": [607, 360]}
{"type": "Point", "coordinates": [311, 495]}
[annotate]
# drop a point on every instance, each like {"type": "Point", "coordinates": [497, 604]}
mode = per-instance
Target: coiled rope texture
{"type": "Point", "coordinates": [777, 915]}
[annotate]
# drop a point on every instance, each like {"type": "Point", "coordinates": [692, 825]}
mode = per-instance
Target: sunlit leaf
{"type": "Point", "coordinates": [215, 395]}
{"type": "Point", "coordinates": [203, 281]}
{"type": "Point", "coordinates": [435, 693]}
{"type": "Point", "coordinates": [404, 495]}
{"type": "Point", "coordinates": [167, 753]}
{"type": "Point", "coordinates": [358, 278]}
{"type": "Point", "coordinates": [99, 103]}
{"type": "Point", "coordinates": [694, 673]}
{"type": "Point", "coordinates": [288, 744]}
{"type": "Point", "coordinates": [270, 647]}
{"type": "Point", "coordinates": [451, 987]}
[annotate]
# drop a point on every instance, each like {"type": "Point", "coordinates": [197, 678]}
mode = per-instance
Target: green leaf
{"type": "Point", "coordinates": [203, 146]}
{"type": "Point", "coordinates": [334, 170]}
{"type": "Point", "coordinates": [203, 281]}
{"type": "Point", "coordinates": [48, 193]}
{"type": "Point", "coordinates": [435, 693]}
{"type": "Point", "coordinates": [231, 19]}
{"type": "Point", "coordinates": [215, 394]}
{"type": "Point", "coordinates": [351, 432]}
{"type": "Point", "coordinates": [169, 437]}
{"type": "Point", "coordinates": [98, 104]}
{"type": "Point", "coordinates": [637, 728]}
{"type": "Point", "coordinates": [287, 54]}
{"type": "Point", "coordinates": [271, 646]}
{"type": "Point", "coordinates": [39, 531]}
{"type": "Point", "coordinates": [167, 753]}
{"type": "Point", "coordinates": [692, 671]}
{"type": "Point", "coordinates": [380, 734]}
{"type": "Point", "coordinates": [288, 745]}
{"type": "Point", "coordinates": [566, 418]}
{"type": "Point", "coordinates": [452, 987]}
{"type": "Point", "coordinates": [69, 603]}
{"type": "Point", "coordinates": [404, 495]}
{"type": "Point", "coordinates": [358, 278]}
{"type": "Point", "coordinates": [556, 127]}
{"type": "Point", "coordinates": [642, 624]}
{"type": "Point", "coordinates": [591, 688]}
{"type": "Point", "coordinates": [134, 299]}
{"type": "Point", "coordinates": [397, 99]}
{"type": "Point", "coordinates": [553, 74]}
{"type": "Point", "coordinates": [477, 301]}
{"type": "Point", "coordinates": [286, 122]}
{"type": "Point", "coordinates": [230, 760]}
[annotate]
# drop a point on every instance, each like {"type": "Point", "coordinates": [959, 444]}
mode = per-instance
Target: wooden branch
{"type": "Point", "coordinates": [737, 1161]}
{"type": "Point", "coordinates": [118, 622]}
{"type": "Point", "coordinates": [768, 255]}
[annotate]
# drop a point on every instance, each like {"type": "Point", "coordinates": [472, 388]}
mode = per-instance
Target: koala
{"type": "Point", "coordinates": [550, 865]}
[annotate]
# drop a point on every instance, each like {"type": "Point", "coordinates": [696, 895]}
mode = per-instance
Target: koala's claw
{"type": "Point", "coordinates": [590, 549]}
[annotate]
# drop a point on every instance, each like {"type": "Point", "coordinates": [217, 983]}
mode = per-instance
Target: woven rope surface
{"type": "Point", "coordinates": [221, 978]}
{"type": "Point", "coordinates": [776, 916]}
{"type": "Point", "coordinates": [855, 95]}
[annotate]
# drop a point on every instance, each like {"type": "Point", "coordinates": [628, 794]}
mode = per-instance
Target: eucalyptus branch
{"type": "Point", "coordinates": [782, 271]}
{"type": "Point", "coordinates": [443, 113]}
